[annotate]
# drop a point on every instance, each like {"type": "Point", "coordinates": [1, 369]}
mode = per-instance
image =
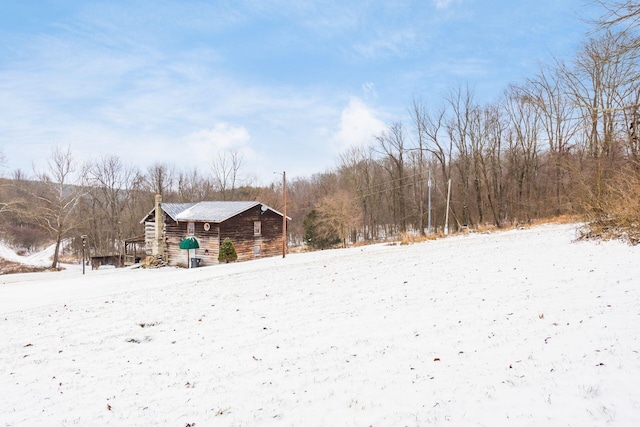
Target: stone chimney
{"type": "Point", "coordinates": [158, 247]}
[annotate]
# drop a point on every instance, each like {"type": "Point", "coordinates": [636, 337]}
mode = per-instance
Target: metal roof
{"type": "Point", "coordinates": [207, 211]}
{"type": "Point", "coordinates": [173, 209]}
{"type": "Point", "coordinates": [213, 211]}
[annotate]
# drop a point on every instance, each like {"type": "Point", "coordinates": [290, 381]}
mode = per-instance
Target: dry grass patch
{"type": "Point", "coordinates": [616, 214]}
{"type": "Point", "coordinates": [410, 238]}
{"type": "Point", "coordinates": [10, 267]}
{"type": "Point", "coordinates": [560, 219]}
{"type": "Point", "coordinates": [486, 228]}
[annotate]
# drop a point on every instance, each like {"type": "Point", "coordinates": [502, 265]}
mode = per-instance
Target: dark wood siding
{"type": "Point", "coordinates": [209, 241]}
{"type": "Point", "coordinates": [175, 232]}
{"type": "Point", "coordinates": [240, 229]}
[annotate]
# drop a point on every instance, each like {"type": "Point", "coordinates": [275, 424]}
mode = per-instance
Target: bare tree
{"type": "Point", "coordinates": [419, 116]}
{"type": "Point", "coordinates": [160, 179]}
{"type": "Point", "coordinates": [440, 147]}
{"type": "Point", "coordinates": [479, 142]}
{"type": "Point", "coordinates": [357, 171]}
{"type": "Point", "coordinates": [492, 163]}
{"type": "Point", "coordinates": [622, 16]}
{"type": "Point", "coordinates": [392, 145]}
{"type": "Point", "coordinates": [601, 82]}
{"type": "Point", "coordinates": [547, 92]}
{"type": "Point", "coordinates": [54, 199]}
{"type": "Point", "coordinates": [114, 190]}
{"type": "Point", "coordinates": [523, 165]}
{"type": "Point", "coordinates": [192, 186]}
{"type": "Point", "coordinates": [225, 168]}
{"type": "Point", "coordinates": [632, 128]}
{"type": "Point", "coordinates": [458, 129]}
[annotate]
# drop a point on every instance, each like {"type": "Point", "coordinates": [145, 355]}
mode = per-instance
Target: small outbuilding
{"type": "Point", "coordinates": [255, 230]}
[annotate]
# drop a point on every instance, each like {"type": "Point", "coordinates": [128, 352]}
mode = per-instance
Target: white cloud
{"type": "Point", "coordinates": [358, 126]}
{"type": "Point", "coordinates": [207, 143]}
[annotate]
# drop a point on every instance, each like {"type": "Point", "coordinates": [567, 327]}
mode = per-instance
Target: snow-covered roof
{"type": "Point", "coordinates": [207, 211]}
{"type": "Point", "coordinates": [173, 209]}
{"type": "Point", "coordinates": [213, 211]}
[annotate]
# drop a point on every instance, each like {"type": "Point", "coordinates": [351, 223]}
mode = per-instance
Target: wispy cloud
{"type": "Point", "coordinates": [443, 4]}
{"type": "Point", "coordinates": [468, 68]}
{"type": "Point", "coordinates": [387, 44]}
{"type": "Point", "coordinates": [369, 91]}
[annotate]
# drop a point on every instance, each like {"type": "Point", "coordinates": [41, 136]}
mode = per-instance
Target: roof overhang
{"type": "Point", "coordinates": [214, 212]}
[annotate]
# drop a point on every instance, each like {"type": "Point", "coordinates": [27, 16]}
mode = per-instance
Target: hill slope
{"type": "Point", "coordinates": [522, 326]}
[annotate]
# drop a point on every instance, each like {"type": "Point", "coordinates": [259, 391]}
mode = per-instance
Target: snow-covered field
{"type": "Point", "coordinates": [523, 328]}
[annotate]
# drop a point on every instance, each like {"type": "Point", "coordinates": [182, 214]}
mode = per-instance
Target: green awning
{"type": "Point", "coordinates": [189, 243]}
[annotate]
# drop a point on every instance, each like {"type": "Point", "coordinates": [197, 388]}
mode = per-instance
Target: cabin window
{"type": "Point", "coordinates": [257, 228]}
{"type": "Point", "coordinates": [191, 228]}
{"type": "Point", "coordinates": [256, 250]}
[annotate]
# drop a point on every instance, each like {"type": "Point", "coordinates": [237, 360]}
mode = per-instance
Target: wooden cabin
{"type": "Point", "coordinates": [255, 230]}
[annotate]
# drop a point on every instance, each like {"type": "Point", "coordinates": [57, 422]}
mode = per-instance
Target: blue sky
{"type": "Point", "coordinates": [290, 84]}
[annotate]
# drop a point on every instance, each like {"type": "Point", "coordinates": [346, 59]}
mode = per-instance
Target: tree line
{"type": "Point", "coordinates": [106, 199]}
{"type": "Point", "coordinates": [564, 141]}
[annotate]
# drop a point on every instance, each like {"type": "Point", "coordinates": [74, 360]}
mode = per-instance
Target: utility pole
{"type": "Point", "coordinates": [284, 214]}
{"type": "Point", "coordinates": [429, 206]}
{"type": "Point", "coordinates": [421, 202]}
{"type": "Point", "coordinates": [446, 216]}
{"type": "Point", "coordinates": [84, 243]}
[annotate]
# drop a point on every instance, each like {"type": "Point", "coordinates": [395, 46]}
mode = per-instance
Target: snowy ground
{"type": "Point", "coordinates": [523, 328]}
{"type": "Point", "coordinates": [39, 259]}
